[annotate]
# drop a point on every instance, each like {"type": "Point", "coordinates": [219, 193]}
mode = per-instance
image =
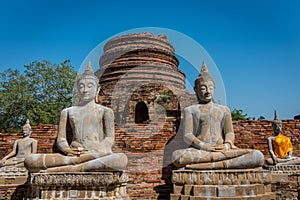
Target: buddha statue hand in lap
{"type": "Point", "coordinates": [209, 132]}
{"type": "Point", "coordinates": [280, 146]}
{"type": "Point", "coordinates": [92, 130]}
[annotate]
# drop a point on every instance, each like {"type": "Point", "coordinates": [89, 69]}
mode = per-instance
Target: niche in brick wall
{"type": "Point", "coordinates": [141, 114]}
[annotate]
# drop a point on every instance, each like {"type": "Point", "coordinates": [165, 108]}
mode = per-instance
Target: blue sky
{"type": "Point", "coordinates": [255, 44]}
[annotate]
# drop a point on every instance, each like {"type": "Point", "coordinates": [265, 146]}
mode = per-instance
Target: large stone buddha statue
{"type": "Point", "coordinates": [92, 129]}
{"type": "Point", "coordinates": [209, 132]}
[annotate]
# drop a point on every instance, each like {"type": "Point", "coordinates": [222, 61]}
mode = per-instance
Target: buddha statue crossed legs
{"type": "Point", "coordinates": [92, 127]}
{"type": "Point", "coordinates": [209, 132]}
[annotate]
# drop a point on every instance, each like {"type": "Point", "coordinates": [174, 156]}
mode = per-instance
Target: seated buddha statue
{"type": "Point", "coordinates": [22, 148]}
{"type": "Point", "coordinates": [92, 136]}
{"type": "Point", "coordinates": [280, 146]}
{"type": "Point", "coordinates": [209, 133]}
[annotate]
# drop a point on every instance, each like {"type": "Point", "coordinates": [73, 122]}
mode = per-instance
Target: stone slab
{"type": "Point", "coordinates": [19, 180]}
{"type": "Point", "coordinates": [222, 184]}
{"type": "Point", "coordinates": [73, 179]}
{"type": "Point", "coordinates": [200, 190]}
{"type": "Point", "coordinates": [188, 189]}
{"type": "Point", "coordinates": [284, 169]}
{"type": "Point", "coordinates": [268, 196]}
{"type": "Point", "coordinates": [221, 177]}
{"type": "Point", "coordinates": [79, 185]}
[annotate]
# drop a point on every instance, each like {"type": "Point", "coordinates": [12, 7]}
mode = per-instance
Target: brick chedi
{"type": "Point", "coordinates": [141, 82]}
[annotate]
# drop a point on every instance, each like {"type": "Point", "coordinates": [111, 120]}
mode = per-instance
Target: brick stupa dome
{"type": "Point", "coordinates": [151, 58]}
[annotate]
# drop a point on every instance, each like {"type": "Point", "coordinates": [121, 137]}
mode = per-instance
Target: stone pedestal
{"type": "Point", "coordinates": [285, 181]}
{"type": "Point", "coordinates": [221, 184]}
{"type": "Point", "coordinates": [79, 185]}
{"type": "Point", "coordinates": [13, 183]}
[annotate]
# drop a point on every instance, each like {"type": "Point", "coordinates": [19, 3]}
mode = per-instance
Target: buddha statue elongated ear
{"type": "Point", "coordinates": [97, 95]}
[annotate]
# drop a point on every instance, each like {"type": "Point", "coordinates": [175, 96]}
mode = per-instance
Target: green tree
{"type": "Point", "coordinates": [39, 93]}
{"type": "Point", "coordinates": [261, 118]}
{"type": "Point", "coordinates": [238, 114]}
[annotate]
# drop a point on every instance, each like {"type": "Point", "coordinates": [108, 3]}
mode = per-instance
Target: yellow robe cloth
{"type": "Point", "coordinates": [282, 146]}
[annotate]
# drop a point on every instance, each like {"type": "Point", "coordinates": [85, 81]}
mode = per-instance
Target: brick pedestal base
{"type": "Point", "coordinates": [285, 181]}
{"type": "Point", "coordinates": [79, 185]}
{"type": "Point", "coordinates": [13, 183]}
{"type": "Point", "coordinates": [221, 184]}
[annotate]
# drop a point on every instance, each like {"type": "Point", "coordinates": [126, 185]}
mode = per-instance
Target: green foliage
{"type": "Point", "coordinates": [40, 93]}
{"type": "Point", "coordinates": [238, 114]}
{"type": "Point", "coordinates": [261, 118]}
{"type": "Point", "coordinates": [164, 96]}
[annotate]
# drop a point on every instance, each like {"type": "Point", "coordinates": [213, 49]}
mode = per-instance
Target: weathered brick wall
{"type": "Point", "coordinates": [253, 134]}
{"type": "Point", "coordinates": [150, 171]}
{"type": "Point", "coordinates": [288, 189]}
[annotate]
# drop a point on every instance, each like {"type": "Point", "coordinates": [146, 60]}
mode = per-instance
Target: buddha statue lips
{"type": "Point", "coordinates": [92, 130]}
{"type": "Point", "coordinates": [209, 132]}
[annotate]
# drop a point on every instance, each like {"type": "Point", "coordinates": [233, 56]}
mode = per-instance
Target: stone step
{"type": "Point", "coordinates": [222, 190]}
{"type": "Point", "coordinates": [267, 196]}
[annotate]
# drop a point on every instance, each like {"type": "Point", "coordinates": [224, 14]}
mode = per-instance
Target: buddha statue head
{"type": "Point", "coordinates": [204, 86]}
{"type": "Point", "coordinates": [27, 129]}
{"type": "Point", "coordinates": [87, 85]}
{"type": "Point", "coordinates": [276, 124]}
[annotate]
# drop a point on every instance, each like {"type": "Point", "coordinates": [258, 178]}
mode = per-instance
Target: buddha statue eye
{"type": "Point", "coordinates": [81, 86]}
{"type": "Point", "coordinates": [203, 88]}
{"type": "Point", "coordinates": [90, 85]}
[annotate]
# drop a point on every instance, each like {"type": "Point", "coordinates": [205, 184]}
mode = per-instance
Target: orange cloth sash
{"type": "Point", "coordinates": [282, 146]}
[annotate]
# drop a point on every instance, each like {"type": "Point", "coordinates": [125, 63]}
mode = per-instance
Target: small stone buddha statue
{"type": "Point", "coordinates": [209, 132]}
{"type": "Point", "coordinates": [92, 129]}
{"type": "Point", "coordinates": [22, 148]}
{"type": "Point", "coordinates": [280, 146]}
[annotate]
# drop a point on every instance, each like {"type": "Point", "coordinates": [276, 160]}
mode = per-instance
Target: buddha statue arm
{"type": "Point", "coordinates": [228, 133]}
{"type": "Point", "coordinates": [61, 141]}
{"type": "Point", "coordinates": [228, 129]}
{"type": "Point", "coordinates": [270, 146]}
{"type": "Point", "coordinates": [11, 154]}
{"type": "Point", "coordinates": [189, 136]}
{"type": "Point", "coordinates": [109, 131]}
{"type": "Point", "coordinates": [34, 146]}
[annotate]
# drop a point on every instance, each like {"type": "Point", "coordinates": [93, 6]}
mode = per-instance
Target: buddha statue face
{"type": "Point", "coordinates": [205, 91]}
{"type": "Point", "coordinates": [87, 88]}
{"type": "Point", "coordinates": [26, 131]}
{"type": "Point", "coordinates": [277, 127]}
